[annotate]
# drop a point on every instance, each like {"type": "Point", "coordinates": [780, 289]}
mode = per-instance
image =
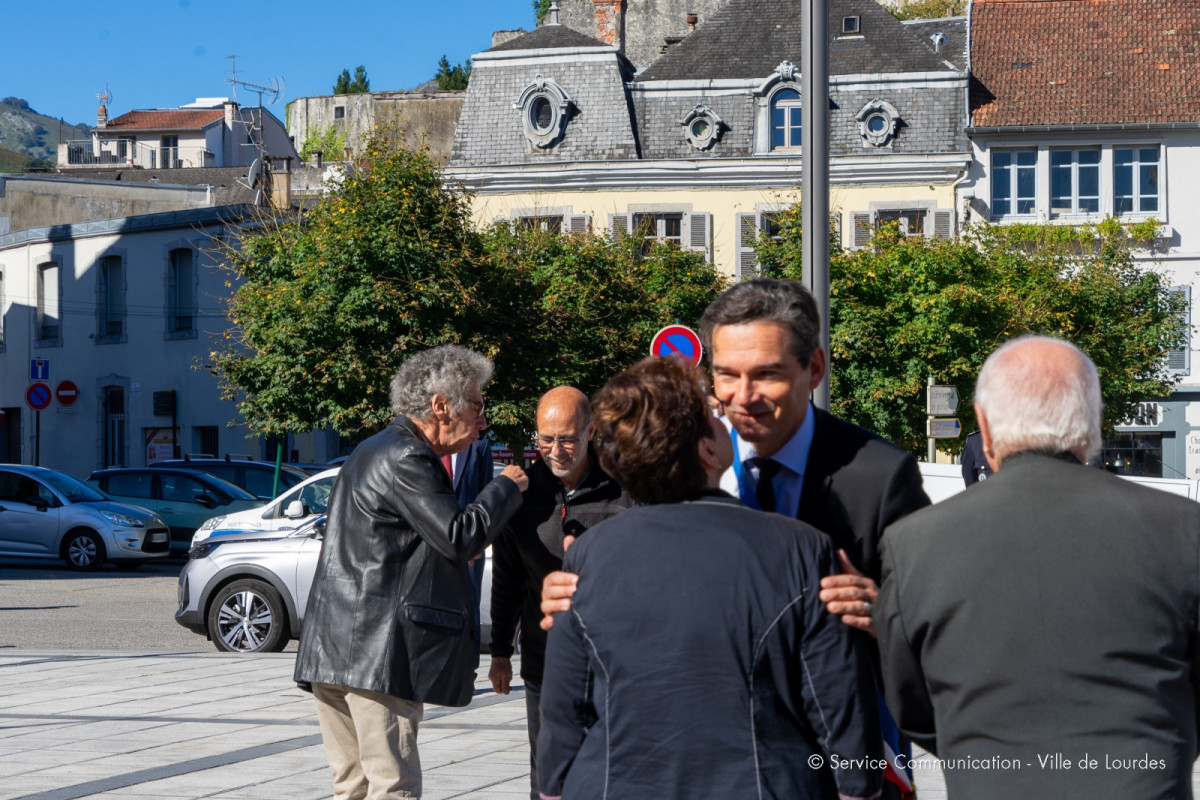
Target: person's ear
{"type": "Point", "coordinates": [816, 368]}
{"type": "Point", "coordinates": [985, 439]}
{"type": "Point", "coordinates": [440, 404]}
{"type": "Point", "coordinates": [710, 457]}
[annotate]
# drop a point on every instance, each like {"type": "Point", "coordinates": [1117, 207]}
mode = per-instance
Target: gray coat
{"type": "Point", "coordinates": [391, 607]}
{"type": "Point", "coordinates": [1047, 616]}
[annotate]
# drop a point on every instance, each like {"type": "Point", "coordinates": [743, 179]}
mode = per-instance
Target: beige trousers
{"type": "Point", "coordinates": [371, 743]}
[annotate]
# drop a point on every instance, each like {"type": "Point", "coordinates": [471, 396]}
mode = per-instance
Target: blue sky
{"type": "Point", "coordinates": [163, 54]}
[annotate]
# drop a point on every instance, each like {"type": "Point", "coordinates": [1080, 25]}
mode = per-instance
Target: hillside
{"type": "Point", "coordinates": [12, 161]}
{"type": "Point", "coordinates": [26, 131]}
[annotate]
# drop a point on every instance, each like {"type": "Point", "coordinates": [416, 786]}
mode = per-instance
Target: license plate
{"type": "Point", "coordinates": [158, 537]}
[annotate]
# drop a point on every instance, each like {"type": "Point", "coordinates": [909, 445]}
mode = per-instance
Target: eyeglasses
{"type": "Point", "coordinates": [569, 443]}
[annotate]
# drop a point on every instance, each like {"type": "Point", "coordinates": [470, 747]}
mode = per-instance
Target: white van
{"type": "Point", "coordinates": [945, 480]}
{"type": "Point", "coordinates": [304, 501]}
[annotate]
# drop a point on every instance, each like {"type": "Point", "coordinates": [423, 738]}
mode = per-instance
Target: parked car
{"type": "Point", "coordinates": [247, 591]}
{"type": "Point", "coordinates": [51, 515]}
{"type": "Point", "coordinates": [281, 516]}
{"type": "Point", "coordinates": [256, 477]}
{"type": "Point", "coordinates": [184, 498]}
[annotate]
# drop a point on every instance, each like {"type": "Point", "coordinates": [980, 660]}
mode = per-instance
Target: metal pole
{"type": "Point", "coordinates": [815, 176]}
{"type": "Point", "coordinates": [37, 438]}
{"type": "Point", "coordinates": [931, 455]}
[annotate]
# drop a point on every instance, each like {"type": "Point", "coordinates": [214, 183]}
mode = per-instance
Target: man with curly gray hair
{"type": "Point", "coordinates": [390, 623]}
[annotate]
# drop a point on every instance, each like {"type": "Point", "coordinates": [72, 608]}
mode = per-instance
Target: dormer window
{"type": "Point", "coordinates": [701, 127]}
{"type": "Point", "coordinates": [786, 118]}
{"type": "Point", "coordinates": [544, 108]}
{"type": "Point", "coordinates": [850, 26]}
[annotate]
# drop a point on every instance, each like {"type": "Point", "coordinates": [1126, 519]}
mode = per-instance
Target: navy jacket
{"type": "Point", "coordinates": [698, 661]}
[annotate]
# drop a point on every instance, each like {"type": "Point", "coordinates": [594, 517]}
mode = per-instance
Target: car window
{"type": "Point", "coordinates": [74, 490]}
{"type": "Point", "coordinates": [130, 484]}
{"type": "Point", "coordinates": [181, 488]}
{"type": "Point", "coordinates": [10, 487]}
{"type": "Point", "coordinates": [260, 482]}
{"type": "Point", "coordinates": [316, 495]}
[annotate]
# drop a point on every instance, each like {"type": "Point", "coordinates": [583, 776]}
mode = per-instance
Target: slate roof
{"type": "Point", "coordinates": [166, 120]}
{"type": "Point", "coordinates": [748, 39]}
{"type": "Point", "coordinates": [1084, 62]}
{"type": "Point", "coordinates": [548, 37]}
{"type": "Point", "coordinates": [954, 49]}
{"type": "Point", "coordinates": [226, 189]}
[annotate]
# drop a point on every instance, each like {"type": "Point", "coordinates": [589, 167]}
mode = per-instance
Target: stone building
{"type": "Point", "coordinates": [702, 147]}
{"type": "Point", "coordinates": [426, 117]}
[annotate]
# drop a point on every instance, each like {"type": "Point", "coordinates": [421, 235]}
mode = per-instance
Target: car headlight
{"type": "Point", "coordinates": [201, 551]}
{"type": "Point", "coordinates": [211, 523]}
{"type": "Point", "coordinates": [124, 520]}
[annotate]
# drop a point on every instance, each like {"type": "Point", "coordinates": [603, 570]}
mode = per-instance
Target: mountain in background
{"type": "Point", "coordinates": [27, 132]}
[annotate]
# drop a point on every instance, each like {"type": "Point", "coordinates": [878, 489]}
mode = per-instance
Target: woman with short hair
{"type": "Point", "coordinates": [697, 659]}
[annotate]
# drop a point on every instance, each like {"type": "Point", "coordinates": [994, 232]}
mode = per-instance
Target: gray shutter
{"type": "Point", "coordinates": [863, 231]}
{"type": "Point", "coordinates": [747, 226]}
{"type": "Point", "coordinates": [1179, 362]}
{"type": "Point", "coordinates": [835, 227]}
{"type": "Point", "coordinates": [699, 236]}
{"type": "Point", "coordinates": [579, 223]}
{"type": "Point", "coordinates": [618, 224]}
{"type": "Point", "coordinates": [940, 224]}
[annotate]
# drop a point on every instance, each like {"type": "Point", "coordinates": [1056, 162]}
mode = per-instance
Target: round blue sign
{"type": "Point", "coordinates": [38, 396]}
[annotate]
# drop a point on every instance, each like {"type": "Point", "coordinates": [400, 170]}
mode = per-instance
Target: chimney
{"type": "Point", "coordinates": [552, 17]}
{"type": "Point", "coordinates": [692, 19]}
{"type": "Point", "coordinates": [610, 22]}
{"type": "Point", "coordinates": [938, 40]}
{"type": "Point", "coordinates": [102, 116]}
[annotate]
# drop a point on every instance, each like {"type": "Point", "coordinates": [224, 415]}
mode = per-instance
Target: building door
{"type": "Point", "coordinates": [114, 427]}
{"type": "Point", "coordinates": [10, 435]}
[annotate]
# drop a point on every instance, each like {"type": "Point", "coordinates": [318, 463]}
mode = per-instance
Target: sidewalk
{"type": "Point", "coordinates": [162, 726]}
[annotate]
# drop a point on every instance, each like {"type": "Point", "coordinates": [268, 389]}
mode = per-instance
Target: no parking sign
{"type": "Point", "coordinates": [677, 340]}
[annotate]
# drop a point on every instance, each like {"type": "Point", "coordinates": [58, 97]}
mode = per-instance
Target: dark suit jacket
{"type": "Point", "coordinates": [855, 485]}
{"type": "Point", "coordinates": [1063, 620]}
{"type": "Point", "coordinates": [474, 471]}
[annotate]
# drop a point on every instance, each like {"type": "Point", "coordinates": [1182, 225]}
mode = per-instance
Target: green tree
{"type": "Point", "coordinates": [359, 84]}
{"type": "Point", "coordinates": [388, 264]}
{"type": "Point", "coordinates": [929, 9]}
{"type": "Point", "coordinates": [328, 306]}
{"type": "Point", "coordinates": [452, 77]}
{"type": "Point", "coordinates": [905, 309]}
{"type": "Point", "coordinates": [540, 9]}
{"type": "Point", "coordinates": [331, 142]}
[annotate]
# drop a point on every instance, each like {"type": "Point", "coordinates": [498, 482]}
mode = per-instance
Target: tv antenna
{"type": "Point", "coordinates": [258, 176]}
{"type": "Point", "coordinates": [104, 97]}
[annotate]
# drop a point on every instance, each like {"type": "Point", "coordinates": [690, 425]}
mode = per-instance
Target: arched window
{"type": "Point", "coordinates": [786, 117]}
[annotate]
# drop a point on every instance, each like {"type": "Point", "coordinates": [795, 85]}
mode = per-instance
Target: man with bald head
{"type": "Point", "coordinates": [568, 493]}
{"type": "Point", "coordinates": [1052, 650]}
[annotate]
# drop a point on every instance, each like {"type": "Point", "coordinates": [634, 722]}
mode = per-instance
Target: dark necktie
{"type": "Point", "coordinates": [448, 464]}
{"type": "Point", "coordinates": [764, 493]}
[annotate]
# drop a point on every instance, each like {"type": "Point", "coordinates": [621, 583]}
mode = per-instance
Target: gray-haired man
{"type": "Point", "coordinates": [390, 620]}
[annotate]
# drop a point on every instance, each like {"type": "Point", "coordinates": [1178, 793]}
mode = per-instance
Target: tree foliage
{"type": "Point", "coordinates": [331, 142]}
{"type": "Point", "coordinates": [328, 306]}
{"type": "Point", "coordinates": [359, 84]}
{"type": "Point", "coordinates": [452, 77]}
{"type": "Point", "coordinates": [540, 9]}
{"type": "Point", "coordinates": [929, 9]}
{"type": "Point", "coordinates": [905, 309]}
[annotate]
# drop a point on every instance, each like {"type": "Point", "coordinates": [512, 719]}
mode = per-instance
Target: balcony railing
{"type": "Point", "coordinates": [83, 152]}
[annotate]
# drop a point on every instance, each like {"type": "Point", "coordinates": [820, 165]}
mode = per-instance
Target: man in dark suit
{"type": "Point", "coordinates": [470, 470]}
{"type": "Point", "coordinates": [1054, 651]}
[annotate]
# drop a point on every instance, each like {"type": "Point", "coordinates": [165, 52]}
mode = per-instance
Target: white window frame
{"type": "Point", "coordinates": [1135, 166]}
{"type": "Point", "coordinates": [108, 308]}
{"type": "Point", "coordinates": [49, 304]}
{"type": "Point", "coordinates": [1013, 178]}
{"type": "Point", "coordinates": [695, 226]}
{"type": "Point", "coordinates": [788, 106]}
{"type": "Point", "coordinates": [1074, 168]}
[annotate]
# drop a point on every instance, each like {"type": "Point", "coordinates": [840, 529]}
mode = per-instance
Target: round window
{"type": "Point", "coordinates": [700, 128]}
{"type": "Point", "coordinates": [541, 113]}
{"type": "Point", "coordinates": [877, 123]}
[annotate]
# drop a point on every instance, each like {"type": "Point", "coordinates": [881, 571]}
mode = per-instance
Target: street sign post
{"type": "Point", "coordinates": [39, 369]}
{"type": "Point", "coordinates": [941, 401]}
{"type": "Point", "coordinates": [38, 396]}
{"type": "Point", "coordinates": [944, 428]}
{"type": "Point", "coordinates": [67, 393]}
{"type": "Point", "coordinates": [677, 340]}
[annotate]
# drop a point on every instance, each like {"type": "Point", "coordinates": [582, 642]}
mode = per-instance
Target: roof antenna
{"type": "Point", "coordinates": [938, 40]}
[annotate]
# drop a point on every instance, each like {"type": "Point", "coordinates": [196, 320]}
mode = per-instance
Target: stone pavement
{"type": "Point", "coordinates": [162, 726]}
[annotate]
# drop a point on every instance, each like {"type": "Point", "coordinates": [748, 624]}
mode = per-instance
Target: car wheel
{"type": "Point", "coordinates": [248, 616]}
{"type": "Point", "coordinates": [83, 550]}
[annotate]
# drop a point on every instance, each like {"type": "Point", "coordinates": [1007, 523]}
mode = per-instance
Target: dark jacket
{"type": "Point", "coordinates": [532, 547]}
{"type": "Point", "coordinates": [391, 609]}
{"type": "Point", "coordinates": [1063, 622]}
{"type": "Point", "coordinates": [698, 661]}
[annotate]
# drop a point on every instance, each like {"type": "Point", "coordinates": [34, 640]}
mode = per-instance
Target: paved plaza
{"type": "Point", "coordinates": [161, 725]}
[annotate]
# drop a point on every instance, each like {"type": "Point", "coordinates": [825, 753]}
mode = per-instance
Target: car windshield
{"type": "Point", "coordinates": [74, 490]}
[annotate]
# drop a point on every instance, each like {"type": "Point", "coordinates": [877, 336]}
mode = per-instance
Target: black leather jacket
{"type": "Point", "coordinates": [391, 607]}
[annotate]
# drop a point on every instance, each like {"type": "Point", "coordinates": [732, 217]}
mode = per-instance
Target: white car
{"type": "Point", "coordinates": [283, 515]}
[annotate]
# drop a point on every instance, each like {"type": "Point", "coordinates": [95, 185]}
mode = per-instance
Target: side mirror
{"type": "Point", "coordinates": [206, 500]}
{"type": "Point", "coordinates": [295, 510]}
{"type": "Point", "coordinates": [38, 502]}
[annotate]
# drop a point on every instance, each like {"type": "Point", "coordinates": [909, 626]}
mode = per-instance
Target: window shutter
{"type": "Point", "coordinates": [1179, 362]}
{"type": "Point", "coordinates": [940, 224]}
{"type": "Point", "coordinates": [835, 228]}
{"type": "Point", "coordinates": [618, 224]}
{"type": "Point", "coordinates": [700, 234]}
{"type": "Point", "coordinates": [862, 229]}
{"type": "Point", "coordinates": [579, 223]}
{"type": "Point", "coordinates": [747, 225]}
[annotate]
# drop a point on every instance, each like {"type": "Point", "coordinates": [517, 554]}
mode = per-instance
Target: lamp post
{"type": "Point", "coordinates": [815, 167]}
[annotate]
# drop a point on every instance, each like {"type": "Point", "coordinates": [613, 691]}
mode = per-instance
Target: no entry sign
{"type": "Point", "coordinates": [37, 396]}
{"type": "Point", "coordinates": [677, 340]}
{"type": "Point", "coordinates": [66, 392]}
